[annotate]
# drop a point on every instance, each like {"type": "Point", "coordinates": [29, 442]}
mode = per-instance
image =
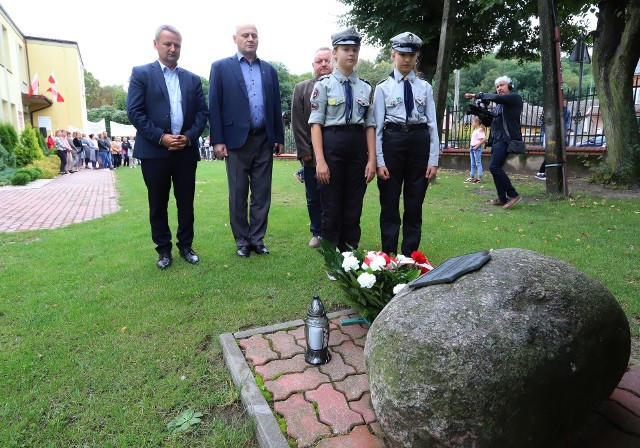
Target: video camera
{"type": "Point", "coordinates": [480, 108]}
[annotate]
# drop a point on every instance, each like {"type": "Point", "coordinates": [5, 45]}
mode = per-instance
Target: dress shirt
{"type": "Point", "coordinates": [175, 97]}
{"type": "Point", "coordinates": [253, 81]}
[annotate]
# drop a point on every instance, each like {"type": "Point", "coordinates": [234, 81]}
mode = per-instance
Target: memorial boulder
{"type": "Point", "coordinates": [516, 354]}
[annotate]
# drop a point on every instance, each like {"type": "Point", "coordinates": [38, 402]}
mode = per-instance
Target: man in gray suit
{"type": "Point", "coordinates": [245, 118]}
{"type": "Point", "coordinates": [300, 110]}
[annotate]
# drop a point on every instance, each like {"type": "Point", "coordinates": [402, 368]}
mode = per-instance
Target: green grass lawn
{"type": "Point", "coordinates": [98, 347]}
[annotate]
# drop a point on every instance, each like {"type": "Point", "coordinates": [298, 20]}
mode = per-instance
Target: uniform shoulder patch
{"type": "Point", "coordinates": [323, 77]}
{"type": "Point", "coordinates": [362, 79]}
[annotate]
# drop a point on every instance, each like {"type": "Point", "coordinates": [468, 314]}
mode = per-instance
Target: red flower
{"type": "Point", "coordinates": [419, 257]}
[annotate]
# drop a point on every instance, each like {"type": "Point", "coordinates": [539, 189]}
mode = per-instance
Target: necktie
{"type": "Point", "coordinates": [348, 93]}
{"type": "Point", "coordinates": [408, 99]}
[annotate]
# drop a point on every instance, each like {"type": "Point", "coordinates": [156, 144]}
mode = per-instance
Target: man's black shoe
{"type": "Point", "coordinates": [261, 250]}
{"type": "Point", "coordinates": [243, 251]}
{"type": "Point", "coordinates": [189, 255]}
{"type": "Point", "coordinates": [164, 261]}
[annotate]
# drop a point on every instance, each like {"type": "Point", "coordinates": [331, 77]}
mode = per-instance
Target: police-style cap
{"type": "Point", "coordinates": [406, 42]}
{"type": "Point", "coordinates": [348, 36]}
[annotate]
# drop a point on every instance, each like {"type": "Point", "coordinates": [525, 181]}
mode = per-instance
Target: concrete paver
{"type": "Point", "coordinates": [257, 350]}
{"type": "Point", "coordinates": [333, 409]}
{"type": "Point", "coordinates": [49, 204]}
{"type": "Point", "coordinates": [286, 385]}
{"type": "Point", "coordinates": [284, 344]}
{"type": "Point", "coordinates": [302, 422]}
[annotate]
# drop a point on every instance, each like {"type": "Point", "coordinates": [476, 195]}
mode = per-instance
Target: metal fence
{"type": "Point", "coordinates": [586, 128]}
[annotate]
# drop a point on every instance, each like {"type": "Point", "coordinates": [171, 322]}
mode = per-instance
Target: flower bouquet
{"type": "Point", "coordinates": [371, 279]}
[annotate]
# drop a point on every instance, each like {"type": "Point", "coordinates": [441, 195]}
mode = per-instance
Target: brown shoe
{"type": "Point", "coordinates": [496, 201]}
{"type": "Point", "coordinates": [512, 201]}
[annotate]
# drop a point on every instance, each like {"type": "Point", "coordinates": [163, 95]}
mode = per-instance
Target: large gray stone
{"type": "Point", "coordinates": [517, 354]}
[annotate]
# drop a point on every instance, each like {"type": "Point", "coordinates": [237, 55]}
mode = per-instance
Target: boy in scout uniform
{"type": "Point", "coordinates": [343, 138]}
{"type": "Point", "coordinates": [407, 145]}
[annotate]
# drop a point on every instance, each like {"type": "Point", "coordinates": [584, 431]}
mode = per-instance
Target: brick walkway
{"type": "Point", "coordinates": [49, 204]}
{"type": "Point", "coordinates": [330, 405]}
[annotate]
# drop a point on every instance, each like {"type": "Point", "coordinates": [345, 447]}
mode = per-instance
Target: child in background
{"type": "Point", "coordinates": [300, 174]}
{"type": "Point", "coordinates": [478, 137]}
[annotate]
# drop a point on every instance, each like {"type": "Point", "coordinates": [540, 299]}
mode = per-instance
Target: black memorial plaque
{"type": "Point", "coordinates": [452, 269]}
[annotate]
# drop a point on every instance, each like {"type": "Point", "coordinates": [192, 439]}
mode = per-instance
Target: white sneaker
{"type": "Point", "coordinates": [314, 242]}
{"type": "Point", "coordinates": [541, 176]}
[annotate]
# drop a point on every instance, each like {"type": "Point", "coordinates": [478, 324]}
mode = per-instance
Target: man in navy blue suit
{"type": "Point", "coordinates": [167, 106]}
{"type": "Point", "coordinates": [245, 119]}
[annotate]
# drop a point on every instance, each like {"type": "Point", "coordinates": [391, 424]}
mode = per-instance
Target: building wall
{"type": "Point", "coordinates": [14, 74]}
{"type": "Point", "coordinates": [21, 57]}
{"type": "Point", "coordinates": [63, 59]}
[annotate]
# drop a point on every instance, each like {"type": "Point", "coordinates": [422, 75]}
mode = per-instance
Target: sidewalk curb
{"type": "Point", "coordinates": [267, 429]}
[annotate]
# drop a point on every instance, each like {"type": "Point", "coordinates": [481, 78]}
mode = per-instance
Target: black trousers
{"type": "Point", "coordinates": [499, 154]}
{"type": "Point", "coordinates": [346, 155]}
{"type": "Point", "coordinates": [158, 175]}
{"type": "Point", "coordinates": [406, 156]}
{"type": "Point", "coordinates": [63, 160]}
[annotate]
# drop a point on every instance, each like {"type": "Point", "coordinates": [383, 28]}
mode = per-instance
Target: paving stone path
{"type": "Point", "coordinates": [52, 203]}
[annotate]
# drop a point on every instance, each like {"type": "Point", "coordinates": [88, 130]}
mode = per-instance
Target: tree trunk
{"type": "Point", "coordinates": [616, 50]}
{"type": "Point", "coordinates": [554, 140]}
{"type": "Point", "coordinates": [444, 57]}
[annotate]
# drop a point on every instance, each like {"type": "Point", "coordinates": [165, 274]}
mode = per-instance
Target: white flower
{"type": "Point", "coordinates": [376, 263]}
{"type": "Point", "coordinates": [401, 259]}
{"type": "Point", "coordinates": [350, 263]}
{"type": "Point", "coordinates": [347, 254]}
{"type": "Point", "coordinates": [399, 287]}
{"type": "Point", "coordinates": [366, 280]}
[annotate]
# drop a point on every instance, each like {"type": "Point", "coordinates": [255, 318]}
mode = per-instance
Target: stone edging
{"type": "Point", "coordinates": [266, 427]}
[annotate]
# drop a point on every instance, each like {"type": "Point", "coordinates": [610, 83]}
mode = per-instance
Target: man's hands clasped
{"type": "Point", "coordinates": [175, 142]}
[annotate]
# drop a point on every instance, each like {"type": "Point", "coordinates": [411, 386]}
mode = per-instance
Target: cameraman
{"type": "Point", "coordinates": [509, 106]}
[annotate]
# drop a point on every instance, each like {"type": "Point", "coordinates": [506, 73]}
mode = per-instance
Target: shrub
{"type": "Point", "coordinates": [7, 159]}
{"type": "Point", "coordinates": [20, 179]}
{"type": "Point", "coordinates": [8, 137]}
{"type": "Point", "coordinates": [49, 166]}
{"type": "Point", "coordinates": [42, 143]}
{"type": "Point", "coordinates": [33, 172]}
{"type": "Point", "coordinates": [28, 150]}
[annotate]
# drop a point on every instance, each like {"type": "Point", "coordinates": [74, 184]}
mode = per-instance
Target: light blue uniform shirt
{"type": "Point", "coordinates": [252, 74]}
{"type": "Point", "coordinates": [175, 97]}
{"type": "Point", "coordinates": [328, 98]}
{"type": "Point", "coordinates": [388, 107]}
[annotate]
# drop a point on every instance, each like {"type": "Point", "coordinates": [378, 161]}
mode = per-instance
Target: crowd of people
{"type": "Point", "coordinates": [77, 151]}
{"type": "Point", "coordinates": [347, 133]}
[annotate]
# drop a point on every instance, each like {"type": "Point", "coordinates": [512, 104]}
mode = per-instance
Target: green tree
{"type": "Point", "coordinates": [616, 50]}
{"type": "Point", "coordinates": [374, 72]}
{"type": "Point", "coordinates": [7, 159]}
{"type": "Point", "coordinates": [8, 137]}
{"type": "Point", "coordinates": [205, 89]}
{"type": "Point", "coordinates": [478, 31]}
{"type": "Point", "coordinates": [287, 83]}
{"type": "Point", "coordinates": [91, 90]}
{"type": "Point", "coordinates": [29, 149]}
